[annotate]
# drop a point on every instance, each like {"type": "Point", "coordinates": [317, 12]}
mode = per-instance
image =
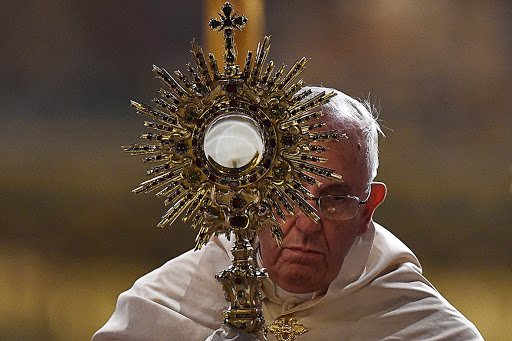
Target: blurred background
{"type": "Point", "coordinates": [73, 236]}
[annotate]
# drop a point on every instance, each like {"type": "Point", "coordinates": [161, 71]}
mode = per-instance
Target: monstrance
{"type": "Point", "coordinates": [232, 150]}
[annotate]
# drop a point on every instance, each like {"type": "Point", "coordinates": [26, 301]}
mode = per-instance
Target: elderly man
{"type": "Point", "coordinates": [343, 278]}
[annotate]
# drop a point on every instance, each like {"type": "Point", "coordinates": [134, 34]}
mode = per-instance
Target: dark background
{"type": "Point", "coordinates": [73, 236]}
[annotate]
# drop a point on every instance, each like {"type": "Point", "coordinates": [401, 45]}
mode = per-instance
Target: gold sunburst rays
{"type": "Point", "coordinates": [192, 183]}
{"type": "Point", "coordinates": [229, 189]}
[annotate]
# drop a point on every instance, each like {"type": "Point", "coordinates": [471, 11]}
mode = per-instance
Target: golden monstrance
{"type": "Point", "coordinates": [231, 150]}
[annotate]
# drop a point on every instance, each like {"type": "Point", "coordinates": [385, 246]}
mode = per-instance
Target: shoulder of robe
{"type": "Point", "coordinates": [188, 281]}
{"type": "Point", "coordinates": [404, 301]}
{"type": "Point", "coordinates": [375, 253]}
{"type": "Point", "coordinates": [381, 294]}
{"type": "Point", "coordinates": [181, 300]}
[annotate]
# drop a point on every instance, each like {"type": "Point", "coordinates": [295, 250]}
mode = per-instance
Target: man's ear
{"type": "Point", "coordinates": [377, 196]}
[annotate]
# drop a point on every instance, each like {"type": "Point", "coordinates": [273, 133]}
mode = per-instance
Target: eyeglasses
{"type": "Point", "coordinates": [339, 207]}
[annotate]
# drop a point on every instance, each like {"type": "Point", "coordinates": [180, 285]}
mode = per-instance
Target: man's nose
{"type": "Point", "coordinates": [305, 224]}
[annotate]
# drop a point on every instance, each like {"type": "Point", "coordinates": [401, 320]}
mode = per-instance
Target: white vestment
{"type": "Point", "coordinates": [379, 294]}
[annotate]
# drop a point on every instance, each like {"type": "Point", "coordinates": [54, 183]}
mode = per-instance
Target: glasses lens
{"type": "Point", "coordinates": [338, 207]}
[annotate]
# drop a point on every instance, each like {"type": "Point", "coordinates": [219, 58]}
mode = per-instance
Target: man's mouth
{"type": "Point", "coordinates": [301, 252]}
{"type": "Point", "coordinates": [302, 249]}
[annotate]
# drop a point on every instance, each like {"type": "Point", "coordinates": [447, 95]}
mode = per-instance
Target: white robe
{"type": "Point", "coordinates": [380, 294]}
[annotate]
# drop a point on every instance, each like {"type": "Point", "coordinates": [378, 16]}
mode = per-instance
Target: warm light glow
{"type": "Point", "coordinates": [233, 141]}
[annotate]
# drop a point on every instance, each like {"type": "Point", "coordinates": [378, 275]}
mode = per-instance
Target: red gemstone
{"type": "Point", "coordinates": [288, 140]}
{"type": "Point", "coordinates": [231, 88]}
{"type": "Point", "coordinates": [237, 202]}
{"type": "Point", "coordinates": [238, 221]}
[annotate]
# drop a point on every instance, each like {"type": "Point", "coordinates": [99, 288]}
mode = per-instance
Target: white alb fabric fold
{"type": "Point", "coordinates": [380, 294]}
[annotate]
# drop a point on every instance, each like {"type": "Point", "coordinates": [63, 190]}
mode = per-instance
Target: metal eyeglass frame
{"type": "Point", "coordinates": [359, 201]}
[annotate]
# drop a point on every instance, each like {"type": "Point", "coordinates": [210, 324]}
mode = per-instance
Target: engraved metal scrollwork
{"type": "Point", "coordinates": [250, 191]}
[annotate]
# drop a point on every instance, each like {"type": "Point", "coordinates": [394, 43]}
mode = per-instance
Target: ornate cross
{"type": "Point", "coordinates": [217, 198]}
{"type": "Point", "coordinates": [227, 22]}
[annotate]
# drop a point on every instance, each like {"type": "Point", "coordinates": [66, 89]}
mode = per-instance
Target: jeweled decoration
{"type": "Point", "coordinates": [286, 328]}
{"type": "Point", "coordinates": [234, 191]}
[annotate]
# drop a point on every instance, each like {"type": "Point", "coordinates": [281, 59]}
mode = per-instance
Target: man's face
{"type": "Point", "coordinates": [312, 254]}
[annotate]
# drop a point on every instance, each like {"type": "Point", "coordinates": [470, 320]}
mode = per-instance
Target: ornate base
{"type": "Point", "coordinates": [241, 283]}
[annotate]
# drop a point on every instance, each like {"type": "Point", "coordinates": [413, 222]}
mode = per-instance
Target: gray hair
{"type": "Point", "coordinates": [360, 115]}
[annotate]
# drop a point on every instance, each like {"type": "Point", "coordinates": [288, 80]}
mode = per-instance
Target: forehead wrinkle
{"type": "Point", "coordinates": [348, 159]}
{"type": "Point", "coordinates": [353, 147]}
{"type": "Point", "coordinates": [342, 114]}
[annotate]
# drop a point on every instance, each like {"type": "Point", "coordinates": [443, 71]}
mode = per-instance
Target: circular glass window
{"type": "Point", "coordinates": [234, 142]}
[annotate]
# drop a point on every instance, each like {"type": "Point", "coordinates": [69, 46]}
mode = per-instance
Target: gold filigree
{"type": "Point", "coordinates": [245, 198]}
{"type": "Point", "coordinates": [186, 176]}
{"type": "Point", "coordinates": [286, 328]}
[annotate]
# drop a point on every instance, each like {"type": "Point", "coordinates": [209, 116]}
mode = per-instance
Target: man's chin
{"type": "Point", "coordinates": [299, 278]}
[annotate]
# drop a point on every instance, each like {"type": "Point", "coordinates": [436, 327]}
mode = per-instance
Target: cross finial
{"type": "Point", "coordinates": [227, 22]}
